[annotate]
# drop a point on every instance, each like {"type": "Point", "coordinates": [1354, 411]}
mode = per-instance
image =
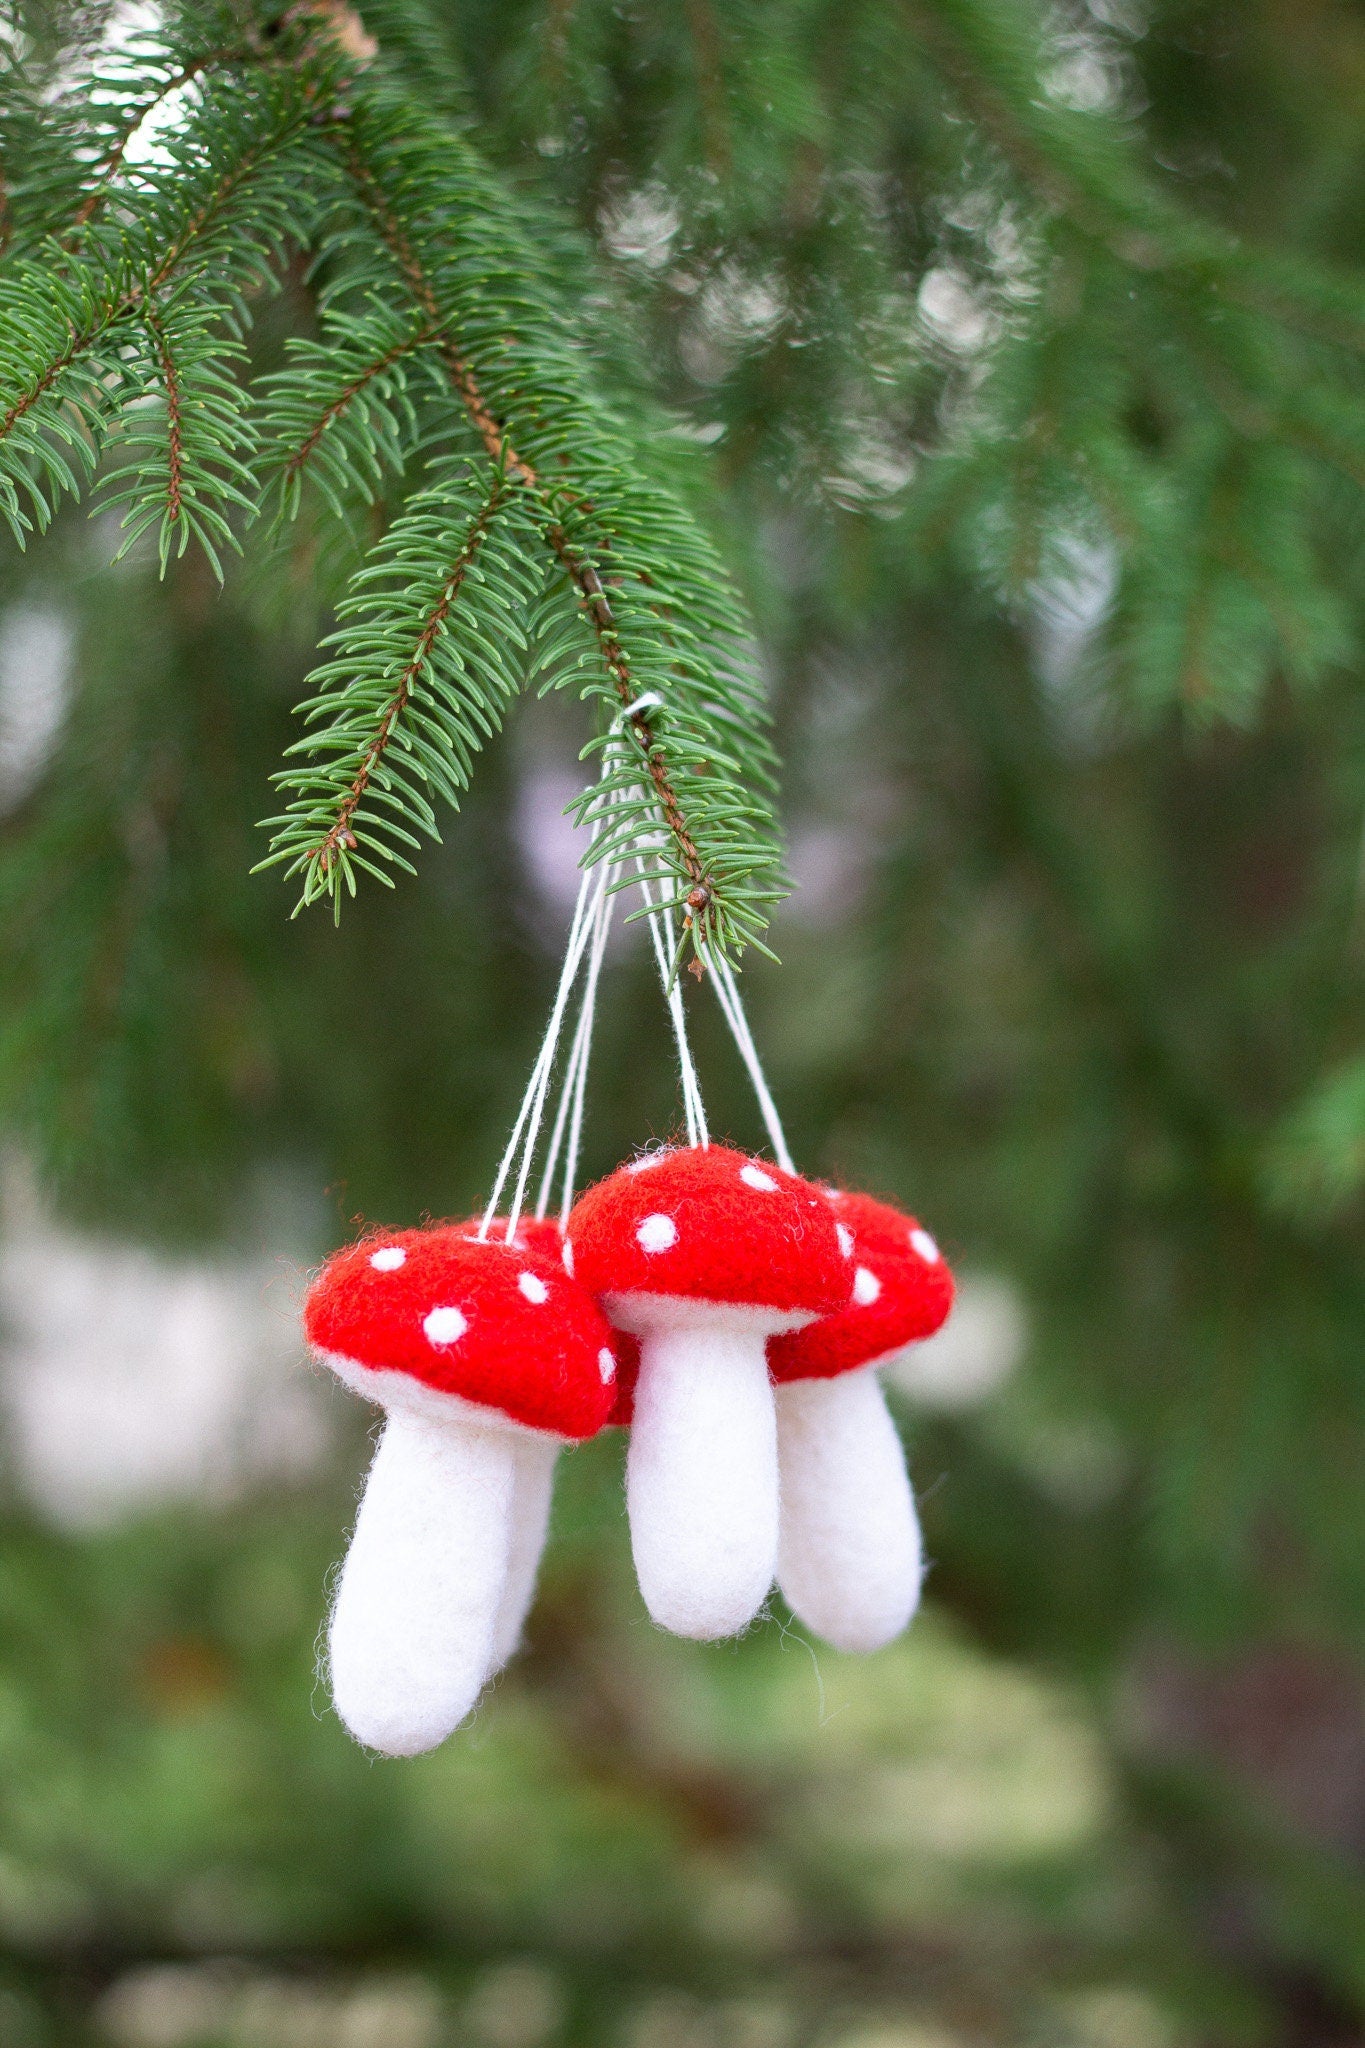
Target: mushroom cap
{"type": "Point", "coordinates": [443, 1317]}
{"type": "Point", "coordinates": [709, 1224]}
{"type": "Point", "coordinates": [540, 1234]}
{"type": "Point", "coordinates": [879, 1226]}
{"type": "Point", "coordinates": [627, 1349]}
{"type": "Point", "coordinates": [902, 1292]}
{"type": "Point", "coordinates": [544, 1235]}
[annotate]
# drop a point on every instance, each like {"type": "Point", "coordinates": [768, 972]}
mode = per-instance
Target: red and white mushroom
{"type": "Point", "coordinates": [703, 1254]}
{"type": "Point", "coordinates": [534, 1476]}
{"type": "Point", "coordinates": [486, 1358]}
{"type": "Point", "coordinates": [849, 1554]}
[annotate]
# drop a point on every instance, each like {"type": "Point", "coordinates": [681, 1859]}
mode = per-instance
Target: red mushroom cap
{"type": "Point", "coordinates": [902, 1292]}
{"type": "Point", "coordinates": [540, 1234]}
{"type": "Point", "coordinates": [710, 1224]}
{"type": "Point", "coordinates": [491, 1324]}
{"type": "Point", "coordinates": [627, 1349]}
{"type": "Point", "coordinates": [544, 1235]}
{"type": "Point", "coordinates": [879, 1226]}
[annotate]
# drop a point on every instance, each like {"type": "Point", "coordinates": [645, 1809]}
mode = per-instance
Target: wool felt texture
{"type": "Point", "coordinates": [539, 1234]}
{"type": "Point", "coordinates": [849, 1560]}
{"type": "Point", "coordinates": [711, 1224]}
{"type": "Point", "coordinates": [533, 1476]}
{"type": "Point", "coordinates": [544, 1234]}
{"type": "Point", "coordinates": [914, 1298]}
{"type": "Point", "coordinates": [900, 1296]}
{"type": "Point", "coordinates": [881, 1227]}
{"type": "Point", "coordinates": [701, 1471]}
{"type": "Point", "coordinates": [496, 1325]}
{"type": "Point", "coordinates": [622, 1412]}
{"type": "Point", "coordinates": [418, 1599]}
{"type": "Point", "coordinates": [535, 1457]}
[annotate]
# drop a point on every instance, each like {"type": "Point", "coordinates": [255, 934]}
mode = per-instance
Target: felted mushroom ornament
{"type": "Point", "coordinates": [849, 1554]}
{"type": "Point", "coordinates": [703, 1254]}
{"type": "Point", "coordinates": [533, 1482]}
{"type": "Point", "coordinates": [486, 1358]}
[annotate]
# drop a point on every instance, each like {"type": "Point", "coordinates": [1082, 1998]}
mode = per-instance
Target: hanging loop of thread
{"type": "Point", "coordinates": [660, 929]}
{"type": "Point", "coordinates": [732, 1009]}
{"type": "Point", "coordinates": [569, 1112]}
{"type": "Point", "coordinates": [526, 1128]}
{"type": "Point", "coordinates": [587, 939]}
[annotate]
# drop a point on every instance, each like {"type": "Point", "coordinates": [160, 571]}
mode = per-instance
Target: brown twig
{"type": "Point", "coordinates": [598, 607]}
{"type": "Point", "coordinates": [334, 18]}
{"type": "Point", "coordinates": [341, 834]}
{"type": "Point", "coordinates": [596, 604]}
{"type": "Point", "coordinates": [107, 169]}
{"type": "Point", "coordinates": [140, 294]}
{"type": "Point", "coordinates": [175, 425]}
{"type": "Point", "coordinates": [350, 391]}
{"type": "Point", "coordinates": [44, 384]}
{"type": "Point", "coordinates": [500, 449]}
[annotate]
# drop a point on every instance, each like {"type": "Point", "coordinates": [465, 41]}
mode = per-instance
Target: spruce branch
{"type": "Point", "coordinates": [396, 238]}
{"type": "Point", "coordinates": [345, 412]}
{"type": "Point", "coordinates": [540, 424]}
{"type": "Point", "coordinates": [186, 445]}
{"type": "Point", "coordinates": [425, 666]}
{"type": "Point", "coordinates": [105, 172]}
{"type": "Point", "coordinates": [440, 327]}
{"type": "Point", "coordinates": [214, 222]}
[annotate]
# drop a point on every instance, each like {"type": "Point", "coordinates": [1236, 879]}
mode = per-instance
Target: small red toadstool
{"type": "Point", "coordinates": [703, 1254]}
{"type": "Point", "coordinates": [849, 1553]}
{"type": "Point", "coordinates": [533, 1484]}
{"type": "Point", "coordinates": [486, 1357]}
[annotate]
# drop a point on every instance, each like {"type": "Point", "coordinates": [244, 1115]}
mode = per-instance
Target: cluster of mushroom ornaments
{"type": "Point", "coordinates": [729, 1315]}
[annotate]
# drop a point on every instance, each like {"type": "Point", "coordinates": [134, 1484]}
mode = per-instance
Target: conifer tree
{"type": "Point", "coordinates": [960, 399]}
{"type": "Point", "coordinates": [443, 349]}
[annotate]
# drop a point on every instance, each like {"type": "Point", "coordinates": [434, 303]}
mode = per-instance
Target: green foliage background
{"type": "Point", "coordinates": [1010, 356]}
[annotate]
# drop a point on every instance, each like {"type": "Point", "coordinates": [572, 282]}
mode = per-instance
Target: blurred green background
{"type": "Point", "coordinates": [1055, 547]}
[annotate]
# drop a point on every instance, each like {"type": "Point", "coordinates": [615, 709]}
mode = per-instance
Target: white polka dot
{"type": "Point", "coordinates": [533, 1287]}
{"type": "Point", "coordinates": [648, 1159]}
{"type": "Point", "coordinates": [566, 1256]}
{"type": "Point", "coordinates": [389, 1259]}
{"type": "Point", "coordinates": [444, 1326]}
{"type": "Point", "coordinates": [606, 1365]}
{"type": "Point", "coordinates": [657, 1234]}
{"type": "Point", "coordinates": [845, 1237]}
{"type": "Point", "coordinates": [755, 1177]}
{"type": "Point", "coordinates": [833, 1194]}
{"type": "Point", "coordinates": [921, 1242]}
{"type": "Point", "coordinates": [866, 1287]}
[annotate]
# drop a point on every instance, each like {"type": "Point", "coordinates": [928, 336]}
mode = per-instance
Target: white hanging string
{"type": "Point", "coordinates": [660, 931]}
{"type": "Point", "coordinates": [533, 1101]}
{"type": "Point", "coordinates": [694, 1113]}
{"type": "Point", "coordinates": [588, 930]}
{"type": "Point", "coordinates": [572, 1094]}
{"type": "Point", "coordinates": [533, 1128]}
{"type": "Point", "coordinates": [580, 1092]}
{"type": "Point", "coordinates": [732, 1006]}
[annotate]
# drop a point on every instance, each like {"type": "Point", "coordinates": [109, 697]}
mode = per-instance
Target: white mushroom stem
{"type": "Point", "coordinates": [849, 1555]}
{"type": "Point", "coordinates": [532, 1487]}
{"type": "Point", "coordinates": [419, 1595]}
{"type": "Point", "coordinates": [701, 1476]}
